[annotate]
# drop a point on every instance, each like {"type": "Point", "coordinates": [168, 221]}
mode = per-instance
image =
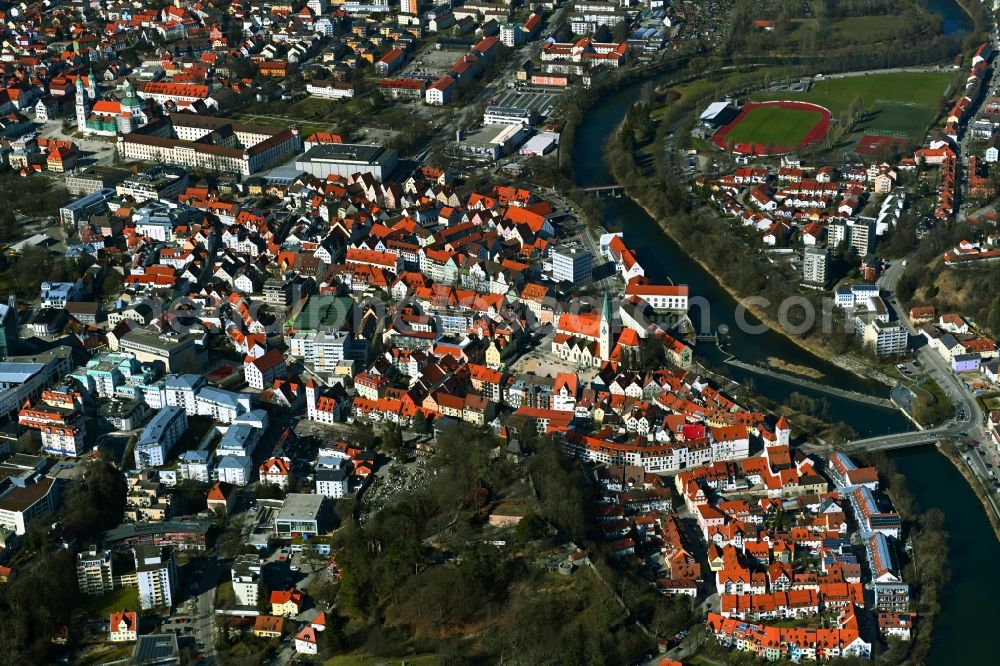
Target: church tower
{"type": "Point", "coordinates": [81, 105]}
{"type": "Point", "coordinates": [607, 329]}
{"type": "Point", "coordinates": [783, 431]}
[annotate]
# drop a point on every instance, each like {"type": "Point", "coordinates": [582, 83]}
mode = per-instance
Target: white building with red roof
{"type": "Point", "coordinates": [261, 372]}
{"type": "Point", "coordinates": [306, 641]}
{"type": "Point", "coordinates": [276, 471]}
{"type": "Point", "coordinates": [585, 339]}
{"type": "Point", "coordinates": [673, 297]}
{"type": "Point", "coordinates": [123, 627]}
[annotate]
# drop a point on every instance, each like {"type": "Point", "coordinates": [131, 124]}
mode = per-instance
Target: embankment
{"type": "Point", "coordinates": [952, 454]}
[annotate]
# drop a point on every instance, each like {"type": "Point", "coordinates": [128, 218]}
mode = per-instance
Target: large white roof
{"type": "Point", "coordinates": [714, 109]}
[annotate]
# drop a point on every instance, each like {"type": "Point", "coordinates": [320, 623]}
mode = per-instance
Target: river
{"type": "Point", "coordinates": [954, 20]}
{"type": "Point", "coordinates": [663, 259]}
{"type": "Point", "coordinates": [963, 629]}
{"type": "Point", "coordinates": [964, 624]}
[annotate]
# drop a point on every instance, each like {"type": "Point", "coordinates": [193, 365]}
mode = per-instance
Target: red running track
{"type": "Point", "coordinates": [817, 133]}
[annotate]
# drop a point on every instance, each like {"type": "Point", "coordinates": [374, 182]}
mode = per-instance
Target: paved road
{"type": "Point", "coordinates": [964, 134]}
{"type": "Point", "coordinates": [982, 462]}
{"type": "Point", "coordinates": [899, 440]}
{"type": "Point", "coordinates": [969, 422]}
{"type": "Point", "coordinates": [966, 406]}
{"type": "Point", "coordinates": [203, 615]}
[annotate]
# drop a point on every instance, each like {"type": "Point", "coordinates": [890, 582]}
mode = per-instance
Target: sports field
{"type": "Point", "coordinates": [913, 88]}
{"type": "Point", "coordinates": [774, 126]}
{"type": "Point", "coordinates": [899, 120]}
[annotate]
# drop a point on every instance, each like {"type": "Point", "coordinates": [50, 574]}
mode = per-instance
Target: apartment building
{"type": "Point", "coordinates": [246, 580]}
{"type": "Point", "coordinates": [174, 352]}
{"type": "Point", "coordinates": [159, 437]}
{"type": "Point", "coordinates": [21, 505]}
{"type": "Point", "coordinates": [815, 265]}
{"type": "Point", "coordinates": [331, 483]}
{"type": "Point", "coordinates": [572, 263]}
{"type": "Point", "coordinates": [156, 571]}
{"type": "Point", "coordinates": [94, 574]}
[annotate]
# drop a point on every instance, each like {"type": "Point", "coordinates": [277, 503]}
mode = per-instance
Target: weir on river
{"type": "Point", "coordinates": [816, 386]}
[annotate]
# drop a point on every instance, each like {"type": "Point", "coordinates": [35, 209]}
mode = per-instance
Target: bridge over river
{"type": "Point", "coordinates": [899, 440]}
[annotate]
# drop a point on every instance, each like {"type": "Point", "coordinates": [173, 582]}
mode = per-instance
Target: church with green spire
{"type": "Point", "coordinates": [110, 116]}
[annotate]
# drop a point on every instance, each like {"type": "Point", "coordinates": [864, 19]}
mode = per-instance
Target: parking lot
{"type": "Point", "coordinates": [541, 102]}
{"type": "Point", "coordinates": [431, 62]}
{"type": "Point", "coordinates": [376, 136]}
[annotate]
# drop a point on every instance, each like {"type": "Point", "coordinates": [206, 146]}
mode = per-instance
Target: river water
{"type": "Point", "coordinates": [663, 259]}
{"type": "Point", "coordinates": [954, 20]}
{"type": "Point", "coordinates": [964, 627]}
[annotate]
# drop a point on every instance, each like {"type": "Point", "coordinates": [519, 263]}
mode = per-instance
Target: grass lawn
{"type": "Point", "coordinates": [989, 404]}
{"type": "Point", "coordinates": [868, 28]}
{"type": "Point", "coordinates": [315, 107]}
{"type": "Point", "coordinates": [934, 390]}
{"type": "Point", "coordinates": [106, 604]}
{"type": "Point", "coordinates": [774, 126]}
{"type": "Point", "coordinates": [720, 84]}
{"type": "Point", "coordinates": [309, 115]}
{"type": "Point", "coordinates": [391, 116]}
{"type": "Point", "coordinates": [358, 659]}
{"type": "Point", "coordinates": [306, 129]}
{"type": "Point", "coordinates": [107, 654]}
{"type": "Point", "coordinates": [224, 594]}
{"type": "Point", "coordinates": [921, 89]}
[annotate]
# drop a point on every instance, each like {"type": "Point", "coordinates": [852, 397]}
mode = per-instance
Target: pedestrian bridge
{"type": "Point", "coordinates": [606, 190]}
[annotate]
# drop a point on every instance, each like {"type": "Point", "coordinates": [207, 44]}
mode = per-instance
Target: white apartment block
{"type": "Point", "coordinates": [94, 574]}
{"type": "Point", "coordinates": [246, 580]}
{"type": "Point", "coordinates": [156, 572]}
{"type": "Point", "coordinates": [159, 437]}
{"type": "Point", "coordinates": [323, 351]}
{"type": "Point", "coordinates": [331, 483]}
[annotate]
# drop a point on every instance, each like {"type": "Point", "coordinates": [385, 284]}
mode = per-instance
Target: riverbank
{"type": "Point", "coordinates": [852, 365]}
{"type": "Point", "coordinates": [928, 571]}
{"type": "Point", "coordinates": [952, 454]}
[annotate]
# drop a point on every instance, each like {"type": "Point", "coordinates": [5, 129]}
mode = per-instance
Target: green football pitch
{"type": "Point", "coordinates": [774, 126]}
